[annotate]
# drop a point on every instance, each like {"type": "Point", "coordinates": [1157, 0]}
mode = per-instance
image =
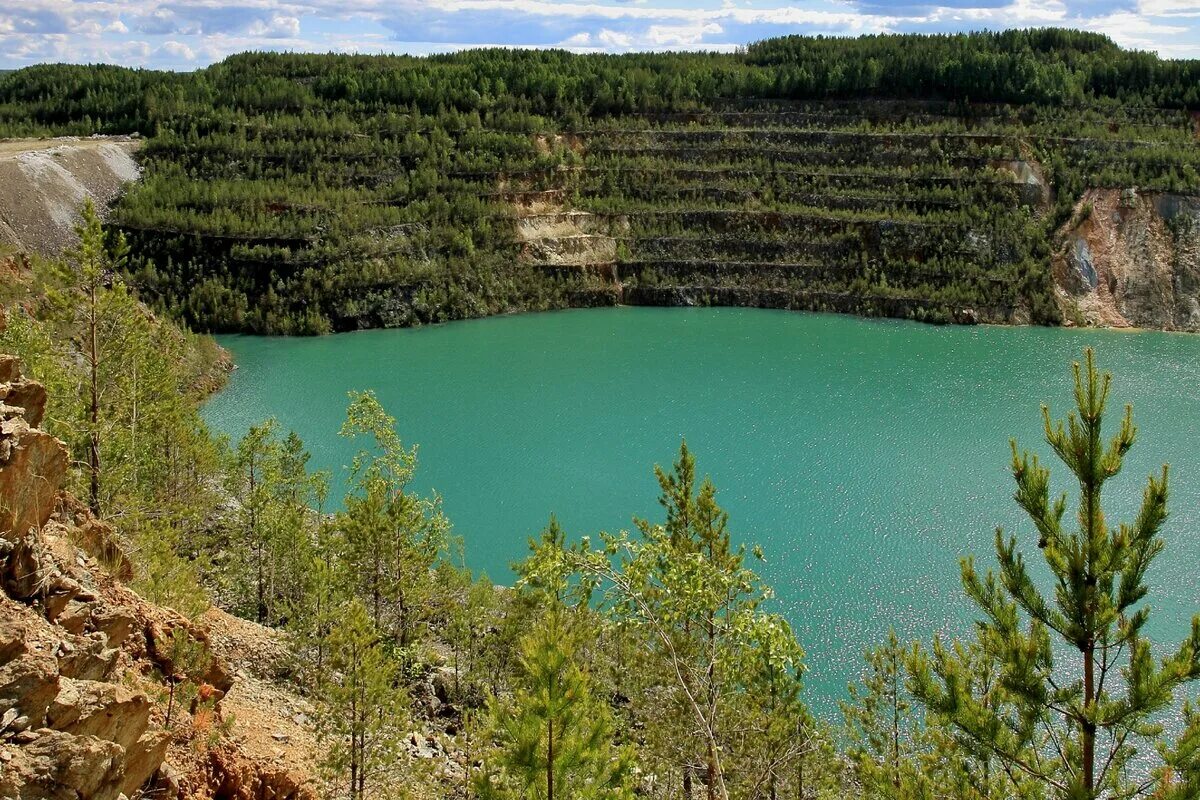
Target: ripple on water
{"type": "Point", "coordinates": [865, 456]}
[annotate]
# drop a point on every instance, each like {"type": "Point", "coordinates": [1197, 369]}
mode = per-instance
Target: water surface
{"type": "Point", "coordinates": [864, 456]}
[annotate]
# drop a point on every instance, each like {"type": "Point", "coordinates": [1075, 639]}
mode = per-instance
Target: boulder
{"type": "Point", "coordinates": [23, 576]}
{"type": "Point", "coordinates": [114, 622]}
{"type": "Point", "coordinates": [88, 660]}
{"type": "Point", "coordinates": [33, 465]}
{"type": "Point", "coordinates": [58, 766]}
{"type": "Point", "coordinates": [103, 710]}
{"type": "Point", "coordinates": [10, 368]}
{"type": "Point", "coordinates": [30, 396]}
{"type": "Point", "coordinates": [143, 760]}
{"type": "Point", "coordinates": [28, 684]}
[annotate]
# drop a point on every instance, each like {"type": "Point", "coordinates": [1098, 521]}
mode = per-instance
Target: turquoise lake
{"type": "Point", "coordinates": [864, 456]}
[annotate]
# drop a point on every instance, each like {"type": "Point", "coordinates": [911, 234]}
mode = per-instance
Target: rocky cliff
{"type": "Point", "coordinates": [1129, 258]}
{"type": "Point", "coordinates": [102, 694]}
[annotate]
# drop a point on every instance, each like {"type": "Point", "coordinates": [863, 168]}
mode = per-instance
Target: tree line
{"type": "Point", "coordinates": [306, 193]}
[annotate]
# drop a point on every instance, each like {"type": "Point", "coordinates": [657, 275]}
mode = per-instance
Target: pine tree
{"type": "Point", "coordinates": [775, 734]}
{"type": "Point", "coordinates": [683, 592]}
{"type": "Point", "coordinates": [956, 764]}
{"type": "Point", "coordinates": [555, 739]}
{"type": "Point", "coordinates": [1179, 777]}
{"type": "Point", "coordinates": [278, 532]}
{"type": "Point", "coordinates": [312, 617]}
{"type": "Point", "coordinates": [393, 537]}
{"type": "Point", "coordinates": [89, 271]}
{"type": "Point", "coordinates": [362, 717]}
{"type": "Point", "coordinates": [1071, 721]}
{"type": "Point", "coordinates": [254, 486]}
{"type": "Point", "coordinates": [884, 734]}
{"type": "Point", "coordinates": [162, 576]}
{"type": "Point", "coordinates": [696, 525]}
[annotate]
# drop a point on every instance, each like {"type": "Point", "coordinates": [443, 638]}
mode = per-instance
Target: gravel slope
{"type": "Point", "coordinates": [43, 183]}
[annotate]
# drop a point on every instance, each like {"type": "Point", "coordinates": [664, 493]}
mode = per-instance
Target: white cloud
{"type": "Point", "coordinates": [1019, 13]}
{"type": "Point", "coordinates": [681, 35]}
{"type": "Point", "coordinates": [1169, 8]}
{"type": "Point", "coordinates": [1130, 30]}
{"type": "Point", "coordinates": [275, 28]}
{"type": "Point", "coordinates": [183, 33]}
{"type": "Point", "coordinates": [612, 39]}
{"type": "Point", "coordinates": [178, 50]}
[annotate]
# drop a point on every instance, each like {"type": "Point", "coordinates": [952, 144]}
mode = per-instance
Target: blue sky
{"type": "Point", "coordinates": [185, 34]}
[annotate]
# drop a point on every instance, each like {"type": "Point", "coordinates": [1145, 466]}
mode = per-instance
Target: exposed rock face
{"type": "Point", "coordinates": [83, 658]}
{"type": "Point", "coordinates": [1034, 188]}
{"type": "Point", "coordinates": [33, 464]}
{"type": "Point", "coordinates": [75, 727]}
{"type": "Point", "coordinates": [1131, 259]}
{"type": "Point", "coordinates": [69, 727]}
{"type": "Point", "coordinates": [550, 235]}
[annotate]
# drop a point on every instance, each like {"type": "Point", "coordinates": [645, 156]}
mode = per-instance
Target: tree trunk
{"type": "Point", "coordinates": [712, 691]}
{"type": "Point", "coordinates": [262, 589]}
{"type": "Point", "coordinates": [550, 759]}
{"type": "Point", "coordinates": [1089, 728]}
{"type": "Point", "coordinates": [712, 772]}
{"type": "Point", "coordinates": [94, 410]}
{"type": "Point", "coordinates": [895, 720]}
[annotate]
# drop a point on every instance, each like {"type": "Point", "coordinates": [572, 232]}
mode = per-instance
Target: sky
{"type": "Point", "coordinates": [187, 34]}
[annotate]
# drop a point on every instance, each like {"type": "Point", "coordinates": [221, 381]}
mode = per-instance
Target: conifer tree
{"type": "Point", "coordinates": [470, 608]}
{"type": "Point", "coordinates": [90, 260]}
{"type": "Point", "coordinates": [1078, 687]}
{"type": "Point", "coordinates": [393, 537]}
{"type": "Point", "coordinates": [683, 590]}
{"type": "Point", "coordinates": [89, 270]}
{"type": "Point", "coordinates": [313, 615]}
{"type": "Point", "coordinates": [697, 525]}
{"type": "Point", "coordinates": [254, 475]}
{"type": "Point", "coordinates": [277, 533]}
{"type": "Point", "coordinates": [555, 739]}
{"type": "Point", "coordinates": [362, 717]}
{"type": "Point", "coordinates": [774, 733]}
{"type": "Point", "coordinates": [884, 734]}
{"type": "Point", "coordinates": [1179, 776]}
{"type": "Point", "coordinates": [957, 765]}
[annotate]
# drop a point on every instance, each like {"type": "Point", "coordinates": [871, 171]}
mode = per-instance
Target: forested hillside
{"type": "Point", "coordinates": [913, 176]}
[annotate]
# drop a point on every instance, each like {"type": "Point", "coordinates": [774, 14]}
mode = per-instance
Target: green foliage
{"type": "Point", "coordinates": [123, 395]}
{"type": "Point", "coordinates": [884, 732]}
{"type": "Point", "coordinates": [162, 575]}
{"type": "Point", "coordinates": [554, 739]}
{"type": "Point", "coordinates": [645, 663]}
{"type": "Point", "coordinates": [1179, 776]}
{"type": "Point", "coordinates": [1070, 722]}
{"type": "Point", "coordinates": [44, 358]}
{"type": "Point", "coordinates": [683, 594]}
{"type": "Point", "coordinates": [273, 537]}
{"type": "Point", "coordinates": [466, 619]}
{"type": "Point", "coordinates": [363, 712]}
{"type": "Point", "coordinates": [393, 537]}
{"type": "Point", "coordinates": [300, 193]}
